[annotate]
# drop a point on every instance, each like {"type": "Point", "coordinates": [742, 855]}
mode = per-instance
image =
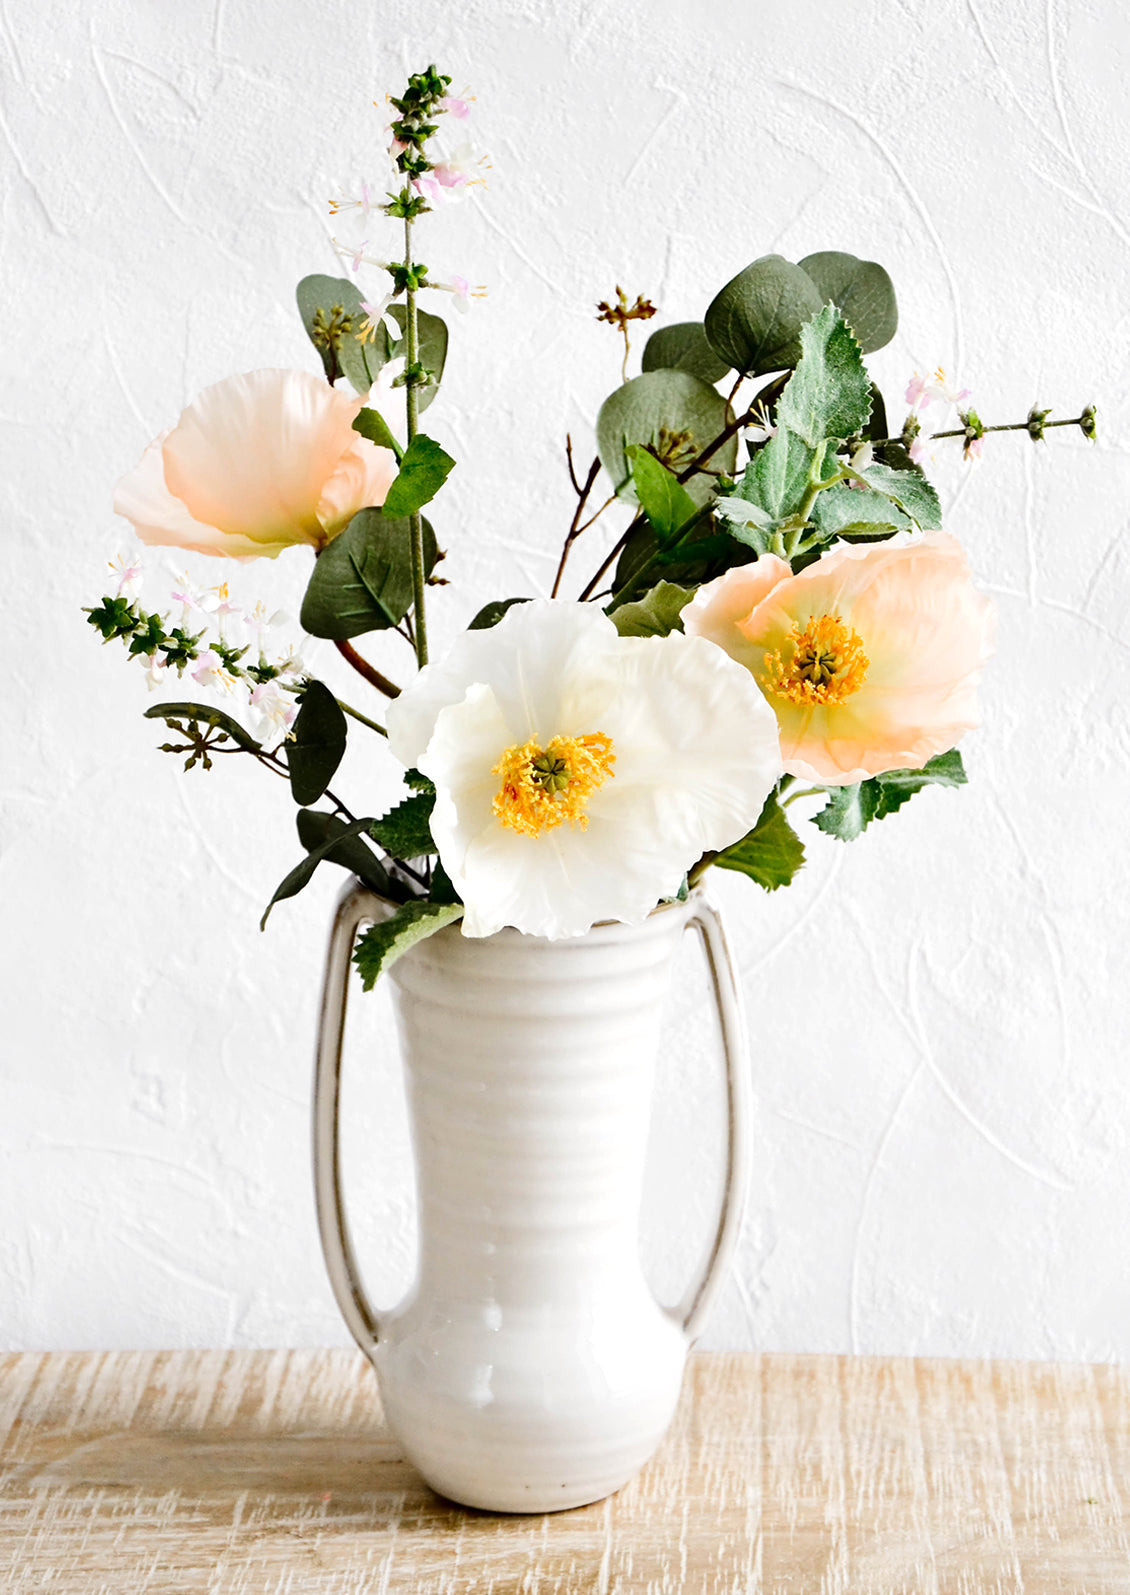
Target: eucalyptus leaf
{"type": "Point", "coordinates": [381, 945]}
{"type": "Point", "coordinates": [423, 471]}
{"type": "Point", "coordinates": [334, 333]}
{"type": "Point", "coordinates": [362, 581]}
{"type": "Point", "coordinates": [656, 614]}
{"type": "Point", "coordinates": [317, 829]}
{"type": "Point", "coordinates": [663, 498]}
{"type": "Point", "coordinates": [862, 290]}
{"type": "Point", "coordinates": [770, 854]}
{"type": "Point", "coordinates": [754, 322]}
{"type": "Point", "coordinates": [302, 873]}
{"type": "Point", "coordinates": [205, 714]}
{"type": "Point", "coordinates": [432, 339]}
{"type": "Point", "coordinates": [672, 413]}
{"type": "Point", "coordinates": [317, 744]}
{"type": "Point", "coordinates": [683, 347]}
{"type": "Point", "coordinates": [490, 614]}
{"type": "Point", "coordinates": [829, 393]}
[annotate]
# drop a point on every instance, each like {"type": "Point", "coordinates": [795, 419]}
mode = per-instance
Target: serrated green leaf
{"type": "Point", "coordinates": [205, 714]}
{"type": "Point", "coordinates": [490, 614]}
{"type": "Point", "coordinates": [419, 783]}
{"type": "Point", "coordinates": [829, 393]}
{"type": "Point", "coordinates": [423, 471]}
{"type": "Point", "coordinates": [663, 499]}
{"type": "Point", "coordinates": [850, 809]}
{"type": "Point", "coordinates": [317, 829]}
{"type": "Point", "coordinates": [754, 322]}
{"type": "Point", "coordinates": [777, 477]}
{"type": "Point", "coordinates": [381, 945]}
{"type": "Point", "coordinates": [770, 854]}
{"type": "Point", "coordinates": [656, 614]}
{"type": "Point", "coordinates": [317, 744]}
{"type": "Point", "coordinates": [292, 883]}
{"type": "Point", "coordinates": [862, 290]}
{"type": "Point", "coordinates": [432, 337]}
{"type": "Point", "coordinates": [372, 425]}
{"type": "Point", "coordinates": [683, 347]}
{"type": "Point", "coordinates": [674, 414]}
{"type": "Point", "coordinates": [910, 491]}
{"type": "Point", "coordinates": [362, 581]}
{"type": "Point", "coordinates": [861, 513]}
{"type": "Point", "coordinates": [405, 832]}
{"type": "Point", "coordinates": [346, 355]}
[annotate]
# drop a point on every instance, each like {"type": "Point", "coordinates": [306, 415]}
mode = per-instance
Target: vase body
{"type": "Point", "coordinates": [530, 1368]}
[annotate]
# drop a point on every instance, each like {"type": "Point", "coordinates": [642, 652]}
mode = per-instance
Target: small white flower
{"type": "Point", "coordinates": [580, 774]}
{"type": "Point", "coordinates": [462, 291]}
{"type": "Point", "coordinates": [128, 572]}
{"type": "Point", "coordinates": [453, 176]}
{"type": "Point", "coordinates": [157, 664]}
{"type": "Point", "coordinates": [274, 709]}
{"type": "Point", "coordinates": [211, 672]}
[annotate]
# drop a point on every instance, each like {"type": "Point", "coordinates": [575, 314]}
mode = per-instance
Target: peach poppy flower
{"type": "Point", "coordinates": [870, 657]}
{"type": "Point", "coordinates": [256, 463]}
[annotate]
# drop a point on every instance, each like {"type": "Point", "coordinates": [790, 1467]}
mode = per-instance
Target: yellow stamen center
{"type": "Point", "coordinates": [827, 664]}
{"type": "Point", "coordinates": [543, 787]}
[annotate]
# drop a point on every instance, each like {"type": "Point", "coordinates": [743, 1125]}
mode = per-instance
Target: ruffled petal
{"type": "Point", "coordinates": [526, 659]}
{"type": "Point", "coordinates": [162, 520]}
{"type": "Point", "coordinates": [252, 455]}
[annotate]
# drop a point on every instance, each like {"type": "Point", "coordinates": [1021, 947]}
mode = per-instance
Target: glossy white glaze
{"type": "Point", "coordinates": [530, 1368]}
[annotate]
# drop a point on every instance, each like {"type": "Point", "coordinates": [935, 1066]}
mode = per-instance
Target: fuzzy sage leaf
{"type": "Point", "coordinates": [381, 945]}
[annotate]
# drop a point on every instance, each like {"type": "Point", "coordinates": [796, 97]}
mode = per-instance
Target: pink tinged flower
{"type": "Point", "coordinates": [275, 709]}
{"type": "Point", "coordinates": [461, 291]}
{"type": "Point", "coordinates": [211, 672]}
{"type": "Point", "coordinates": [916, 392]}
{"type": "Point", "coordinates": [454, 107]}
{"type": "Point", "coordinates": [917, 451]}
{"type": "Point", "coordinates": [974, 448]}
{"type": "Point", "coordinates": [870, 657]}
{"type": "Point", "coordinates": [129, 574]}
{"type": "Point", "coordinates": [256, 463]}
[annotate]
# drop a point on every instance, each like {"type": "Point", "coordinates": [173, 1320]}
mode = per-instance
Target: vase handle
{"type": "Point", "coordinates": [356, 906]}
{"type": "Point", "coordinates": [696, 1304]}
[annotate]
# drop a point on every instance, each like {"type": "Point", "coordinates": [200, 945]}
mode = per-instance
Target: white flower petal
{"type": "Point", "coordinates": [695, 746]}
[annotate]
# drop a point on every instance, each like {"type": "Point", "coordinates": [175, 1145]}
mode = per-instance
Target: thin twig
{"type": "Point", "coordinates": [575, 527]}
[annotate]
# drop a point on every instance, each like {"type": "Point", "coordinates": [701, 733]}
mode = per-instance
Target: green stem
{"type": "Point", "coordinates": [808, 791]}
{"type": "Point", "coordinates": [412, 406]}
{"type": "Point", "coordinates": [357, 715]}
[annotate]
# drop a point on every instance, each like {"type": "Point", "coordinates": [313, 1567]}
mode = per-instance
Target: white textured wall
{"type": "Point", "coordinates": [938, 1010]}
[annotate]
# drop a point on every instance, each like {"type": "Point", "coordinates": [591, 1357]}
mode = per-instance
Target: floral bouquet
{"type": "Point", "coordinates": [778, 618]}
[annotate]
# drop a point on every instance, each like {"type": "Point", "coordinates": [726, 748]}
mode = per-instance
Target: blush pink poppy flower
{"type": "Point", "coordinates": [870, 657]}
{"type": "Point", "coordinates": [256, 463]}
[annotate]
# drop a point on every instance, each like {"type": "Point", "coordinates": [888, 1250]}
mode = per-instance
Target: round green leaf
{"type": "Point", "coordinates": [683, 347]}
{"type": "Point", "coordinates": [862, 292]}
{"type": "Point", "coordinates": [339, 302]}
{"type": "Point", "coordinates": [672, 412]}
{"type": "Point", "coordinates": [754, 323]}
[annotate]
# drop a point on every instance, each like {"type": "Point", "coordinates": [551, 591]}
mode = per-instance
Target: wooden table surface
{"type": "Point", "coordinates": [271, 1473]}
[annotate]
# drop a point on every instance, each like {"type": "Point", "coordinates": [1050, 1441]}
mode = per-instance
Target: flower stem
{"type": "Point", "coordinates": [364, 668]}
{"type": "Point", "coordinates": [357, 715]}
{"type": "Point", "coordinates": [412, 406]}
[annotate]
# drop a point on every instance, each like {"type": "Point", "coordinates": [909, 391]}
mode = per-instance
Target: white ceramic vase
{"type": "Point", "coordinates": [530, 1368]}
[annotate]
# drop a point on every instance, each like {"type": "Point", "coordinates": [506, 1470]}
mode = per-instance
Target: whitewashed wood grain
{"type": "Point", "coordinates": [270, 1473]}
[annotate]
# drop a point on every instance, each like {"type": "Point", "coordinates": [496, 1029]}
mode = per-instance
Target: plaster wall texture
{"type": "Point", "coordinates": [938, 1010]}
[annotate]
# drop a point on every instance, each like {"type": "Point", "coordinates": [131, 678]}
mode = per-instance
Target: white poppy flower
{"type": "Point", "coordinates": [580, 774]}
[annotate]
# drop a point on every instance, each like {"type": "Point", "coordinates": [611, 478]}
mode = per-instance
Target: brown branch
{"type": "Point", "coordinates": [575, 527]}
{"type": "Point", "coordinates": [364, 668]}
